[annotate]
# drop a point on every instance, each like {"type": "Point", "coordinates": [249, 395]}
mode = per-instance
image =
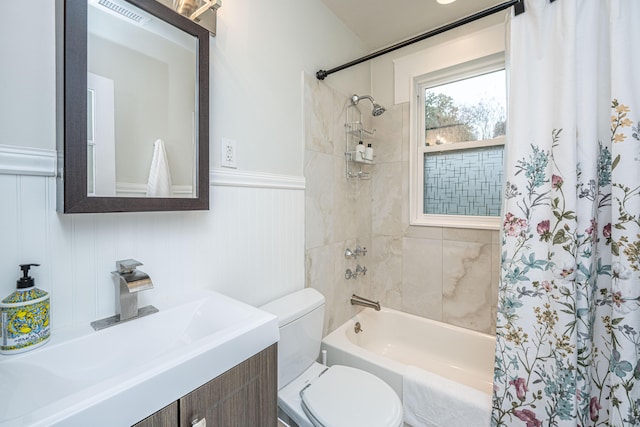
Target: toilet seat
{"type": "Point", "coordinates": [349, 397]}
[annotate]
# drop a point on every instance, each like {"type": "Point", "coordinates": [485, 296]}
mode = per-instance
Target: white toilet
{"type": "Point", "coordinates": [312, 394]}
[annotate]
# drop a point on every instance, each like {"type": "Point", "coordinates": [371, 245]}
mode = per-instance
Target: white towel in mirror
{"type": "Point", "coordinates": [159, 183]}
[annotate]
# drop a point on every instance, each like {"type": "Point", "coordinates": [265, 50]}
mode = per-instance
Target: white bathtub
{"type": "Point", "coordinates": [391, 340]}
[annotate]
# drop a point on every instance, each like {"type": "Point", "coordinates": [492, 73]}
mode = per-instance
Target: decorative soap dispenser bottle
{"type": "Point", "coordinates": [24, 316]}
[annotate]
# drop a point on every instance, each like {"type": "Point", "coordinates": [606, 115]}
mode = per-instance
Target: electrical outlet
{"type": "Point", "coordinates": [228, 153]}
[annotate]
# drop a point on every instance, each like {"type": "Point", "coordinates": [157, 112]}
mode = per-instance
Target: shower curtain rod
{"type": "Point", "coordinates": [518, 8]}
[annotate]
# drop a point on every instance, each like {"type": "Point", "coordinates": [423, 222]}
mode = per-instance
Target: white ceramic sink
{"type": "Point", "coordinates": [122, 374]}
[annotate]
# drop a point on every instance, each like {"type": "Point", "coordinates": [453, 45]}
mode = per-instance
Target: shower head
{"type": "Point", "coordinates": [377, 108]}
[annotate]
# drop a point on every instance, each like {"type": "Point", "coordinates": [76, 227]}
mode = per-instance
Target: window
{"type": "Point", "coordinates": [458, 146]}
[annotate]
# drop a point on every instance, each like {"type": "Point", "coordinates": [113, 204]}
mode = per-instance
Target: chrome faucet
{"type": "Point", "coordinates": [361, 270]}
{"type": "Point", "coordinates": [130, 281]}
{"type": "Point", "coordinates": [360, 251]}
{"type": "Point", "coordinates": [348, 253]}
{"type": "Point", "coordinates": [357, 300]}
{"type": "Point", "coordinates": [349, 274]}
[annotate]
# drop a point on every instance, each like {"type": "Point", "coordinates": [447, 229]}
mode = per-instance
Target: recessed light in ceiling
{"type": "Point", "coordinates": [445, 1]}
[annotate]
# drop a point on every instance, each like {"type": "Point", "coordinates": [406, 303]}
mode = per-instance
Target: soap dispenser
{"type": "Point", "coordinates": [24, 316]}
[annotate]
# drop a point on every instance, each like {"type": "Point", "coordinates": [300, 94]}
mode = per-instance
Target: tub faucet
{"type": "Point", "coordinates": [357, 300]}
{"type": "Point", "coordinates": [131, 281]}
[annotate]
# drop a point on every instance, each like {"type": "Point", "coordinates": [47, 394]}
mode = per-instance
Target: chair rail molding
{"type": "Point", "coordinates": [235, 178]}
{"type": "Point", "coordinates": [16, 160]}
{"type": "Point", "coordinates": [27, 161]}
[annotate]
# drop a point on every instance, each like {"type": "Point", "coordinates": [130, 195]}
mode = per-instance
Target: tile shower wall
{"type": "Point", "coordinates": [249, 246]}
{"type": "Point", "coordinates": [337, 210]}
{"type": "Point", "coordinates": [444, 274]}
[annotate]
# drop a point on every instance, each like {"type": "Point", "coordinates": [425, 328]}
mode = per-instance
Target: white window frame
{"type": "Point", "coordinates": [417, 150]}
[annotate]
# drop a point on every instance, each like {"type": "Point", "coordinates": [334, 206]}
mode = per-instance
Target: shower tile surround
{"type": "Point", "coordinates": [446, 274]}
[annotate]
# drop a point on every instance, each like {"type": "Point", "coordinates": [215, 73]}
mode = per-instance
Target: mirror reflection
{"type": "Point", "coordinates": [142, 104]}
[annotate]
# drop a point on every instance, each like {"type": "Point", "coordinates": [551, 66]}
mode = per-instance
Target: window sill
{"type": "Point", "coordinates": [457, 221]}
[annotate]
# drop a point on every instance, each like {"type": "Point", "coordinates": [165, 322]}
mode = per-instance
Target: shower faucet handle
{"type": "Point", "coordinates": [348, 253]}
{"type": "Point", "coordinates": [350, 274]}
{"type": "Point", "coordinates": [360, 251]}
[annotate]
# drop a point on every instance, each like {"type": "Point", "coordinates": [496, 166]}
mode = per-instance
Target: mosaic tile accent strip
{"type": "Point", "coordinates": [464, 182]}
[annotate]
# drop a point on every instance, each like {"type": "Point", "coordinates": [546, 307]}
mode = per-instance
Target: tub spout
{"type": "Point", "coordinates": [357, 300]}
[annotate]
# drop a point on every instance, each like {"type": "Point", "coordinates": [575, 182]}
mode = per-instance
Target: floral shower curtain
{"type": "Point", "coordinates": [568, 329]}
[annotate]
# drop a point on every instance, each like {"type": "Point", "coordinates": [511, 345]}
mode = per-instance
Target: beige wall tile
{"type": "Point", "coordinates": [385, 269]}
{"type": "Point", "coordinates": [363, 213]}
{"type": "Point", "coordinates": [319, 199]}
{"type": "Point", "coordinates": [339, 114]}
{"type": "Point", "coordinates": [467, 235]}
{"type": "Point", "coordinates": [467, 277]}
{"type": "Point", "coordinates": [319, 271]}
{"type": "Point", "coordinates": [422, 277]}
{"type": "Point", "coordinates": [386, 203]}
{"type": "Point", "coordinates": [432, 233]}
{"type": "Point", "coordinates": [318, 120]}
{"type": "Point", "coordinates": [345, 209]}
{"type": "Point", "coordinates": [387, 142]}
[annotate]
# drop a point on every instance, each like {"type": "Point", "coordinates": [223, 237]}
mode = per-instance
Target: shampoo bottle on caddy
{"type": "Point", "coordinates": [368, 152]}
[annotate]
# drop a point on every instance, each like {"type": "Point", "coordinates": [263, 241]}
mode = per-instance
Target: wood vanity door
{"type": "Point", "coordinates": [166, 417]}
{"type": "Point", "coordinates": [244, 396]}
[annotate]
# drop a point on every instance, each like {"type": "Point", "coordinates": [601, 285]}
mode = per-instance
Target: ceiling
{"type": "Point", "coordinates": [380, 23]}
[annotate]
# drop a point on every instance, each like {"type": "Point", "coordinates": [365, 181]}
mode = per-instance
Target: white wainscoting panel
{"type": "Point", "coordinates": [250, 245]}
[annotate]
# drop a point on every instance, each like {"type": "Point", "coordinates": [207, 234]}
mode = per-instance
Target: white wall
{"type": "Point", "coordinates": [27, 74]}
{"type": "Point", "coordinates": [382, 68]}
{"type": "Point", "coordinates": [257, 59]}
{"type": "Point", "coordinates": [256, 89]}
{"type": "Point", "coordinates": [251, 244]}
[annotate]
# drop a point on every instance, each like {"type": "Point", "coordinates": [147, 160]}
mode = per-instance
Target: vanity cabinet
{"type": "Point", "coordinates": [245, 395]}
{"type": "Point", "coordinates": [166, 417]}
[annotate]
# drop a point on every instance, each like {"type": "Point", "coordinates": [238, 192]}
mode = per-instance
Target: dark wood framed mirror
{"type": "Point", "coordinates": [188, 139]}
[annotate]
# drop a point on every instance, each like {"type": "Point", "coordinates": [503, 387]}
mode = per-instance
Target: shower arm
{"type": "Point", "coordinates": [377, 109]}
{"type": "Point", "coordinates": [356, 98]}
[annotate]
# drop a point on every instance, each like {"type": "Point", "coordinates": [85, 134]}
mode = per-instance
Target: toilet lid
{"type": "Point", "coordinates": [345, 396]}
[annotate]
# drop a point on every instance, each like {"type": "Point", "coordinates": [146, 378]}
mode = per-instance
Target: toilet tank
{"type": "Point", "coordinates": [300, 318]}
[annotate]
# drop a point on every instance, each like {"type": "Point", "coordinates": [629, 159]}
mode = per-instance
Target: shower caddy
{"type": "Point", "coordinates": [354, 133]}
